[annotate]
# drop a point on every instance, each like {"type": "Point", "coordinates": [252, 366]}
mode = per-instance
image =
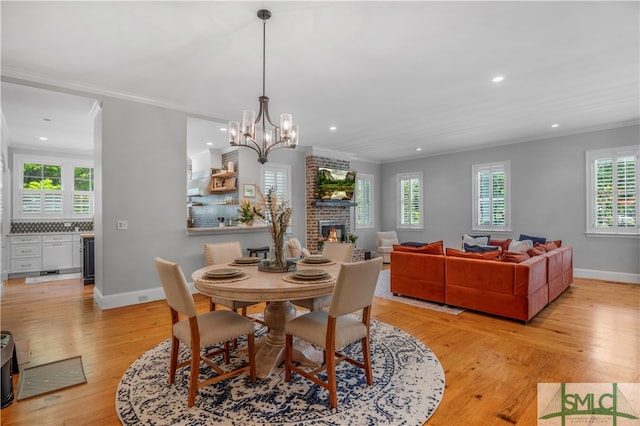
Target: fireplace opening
{"type": "Point", "coordinates": [334, 230]}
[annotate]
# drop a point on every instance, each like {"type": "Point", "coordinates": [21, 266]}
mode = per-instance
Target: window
{"type": "Point", "coordinates": [364, 200]}
{"type": "Point", "coordinates": [52, 188]}
{"type": "Point", "coordinates": [278, 177]}
{"type": "Point", "coordinates": [612, 191]}
{"type": "Point", "coordinates": [491, 203]}
{"type": "Point", "coordinates": [410, 202]}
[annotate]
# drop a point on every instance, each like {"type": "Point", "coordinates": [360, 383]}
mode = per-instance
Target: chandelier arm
{"type": "Point", "coordinates": [277, 145]}
{"type": "Point", "coordinates": [256, 148]}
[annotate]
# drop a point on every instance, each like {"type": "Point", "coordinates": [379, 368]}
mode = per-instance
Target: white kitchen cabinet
{"type": "Point", "coordinates": [57, 252]}
{"type": "Point", "coordinates": [76, 255]}
{"type": "Point", "coordinates": [26, 253]}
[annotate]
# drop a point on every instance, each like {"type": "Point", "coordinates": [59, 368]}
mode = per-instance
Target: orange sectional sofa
{"type": "Point", "coordinates": [512, 290]}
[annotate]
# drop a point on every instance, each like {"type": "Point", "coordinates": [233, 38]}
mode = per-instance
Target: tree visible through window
{"type": "Point", "coordinates": [364, 200]}
{"type": "Point", "coordinates": [613, 190]}
{"type": "Point", "coordinates": [491, 196]}
{"type": "Point", "coordinates": [41, 176]}
{"type": "Point", "coordinates": [410, 203]}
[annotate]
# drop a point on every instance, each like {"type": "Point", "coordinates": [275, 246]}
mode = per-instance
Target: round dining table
{"type": "Point", "coordinates": [278, 289]}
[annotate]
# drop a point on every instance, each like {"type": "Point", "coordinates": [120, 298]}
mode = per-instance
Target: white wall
{"type": "Point", "coordinates": [548, 192]}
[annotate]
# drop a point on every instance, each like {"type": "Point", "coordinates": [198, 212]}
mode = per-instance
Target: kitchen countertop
{"type": "Point", "coordinates": [225, 229]}
{"type": "Point", "coordinates": [87, 235]}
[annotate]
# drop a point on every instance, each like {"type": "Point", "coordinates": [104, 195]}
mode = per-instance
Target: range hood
{"type": "Point", "coordinates": [201, 165]}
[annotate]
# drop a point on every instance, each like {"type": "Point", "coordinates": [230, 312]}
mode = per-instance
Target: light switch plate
{"type": "Point", "coordinates": [122, 225]}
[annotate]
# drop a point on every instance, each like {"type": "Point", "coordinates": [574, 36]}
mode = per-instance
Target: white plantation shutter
{"type": "Point", "coordinates": [277, 177]}
{"type": "Point", "coordinates": [41, 203]}
{"type": "Point", "coordinates": [491, 196]}
{"type": "Point", "coordinates": [410, 202]}
{"type": "Point", "coordinates": [364, 200]}
{"type": "Point", "coordinates": [82, 204]}
{"type": "Point", "coordinates": [612, 192]}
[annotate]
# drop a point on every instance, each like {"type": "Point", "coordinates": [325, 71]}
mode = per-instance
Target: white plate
{"type": "Point", "coordinates": [316, 259]}
{"type": "Point", "coordinates": [310, 274]}
{"type": "Point", "coordinates": [223, 273]}
{"type": "Point", "coordinates": [247, 260]}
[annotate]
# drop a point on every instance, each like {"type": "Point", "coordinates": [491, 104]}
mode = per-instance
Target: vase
{"type": "Point", "coordinates": [249, 223]}
{"type": "Point", "coordinates": [278, 258]}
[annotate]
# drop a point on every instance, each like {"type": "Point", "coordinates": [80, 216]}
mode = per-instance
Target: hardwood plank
{"type": "Point", "coordinates": [492, 365]}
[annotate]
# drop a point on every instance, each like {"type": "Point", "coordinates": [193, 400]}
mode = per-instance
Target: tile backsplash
{"type": "Point", "coordinates": [50, 226]}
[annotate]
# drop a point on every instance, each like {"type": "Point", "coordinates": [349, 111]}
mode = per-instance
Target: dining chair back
{"type": "Point", "coordinates": [221, 253]}
{"type": "Point", "coordinates": [217, 253]}
{"type": "Point", "coordinates": [202, 331]}
{"type": "Point", "coordinates": [340, 252]}
{"type": "Point", "coordinates": [336, 327]}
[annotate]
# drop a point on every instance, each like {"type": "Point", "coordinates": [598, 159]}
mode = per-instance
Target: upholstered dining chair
{"type": "Point", "coordinates": [340, 252]}
{"type": "Point", "coordinates": [335, 328]}
{"type": "Point", "coordinates": [218, 253]}
{"type": "Point", "coordinates": [202, 331]}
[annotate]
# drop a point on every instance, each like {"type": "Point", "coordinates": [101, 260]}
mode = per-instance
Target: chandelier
{"type": "Point", "coordinates": [258, 132]}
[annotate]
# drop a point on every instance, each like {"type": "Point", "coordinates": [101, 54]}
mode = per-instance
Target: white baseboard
{"type": "Point", "coordinates": [130, 298]}
{"type": "Point", "coordinates": [622, 277]}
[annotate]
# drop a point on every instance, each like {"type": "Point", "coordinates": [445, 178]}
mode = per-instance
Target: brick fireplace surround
{"type": "Point", "coordinates": [317, 213]}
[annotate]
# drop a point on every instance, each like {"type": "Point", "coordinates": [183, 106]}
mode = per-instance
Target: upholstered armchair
{"type": "Point", "coordinates": [384, 244]}
{"type": "Point", "coordinates": [294, 250]}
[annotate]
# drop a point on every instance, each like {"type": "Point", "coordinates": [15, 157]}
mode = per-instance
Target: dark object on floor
{"type": "Point", "coordinates": [8, 358]}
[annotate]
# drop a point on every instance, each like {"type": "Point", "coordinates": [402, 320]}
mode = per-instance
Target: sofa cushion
{"type": "Point", "coordinates": [540, 240]}
{"type": "Point", "coordinates": [503, 244]}
{"type": "Point", "coordinates": [521, 246]}
{"type": "Point", "coordinates": [431, 248]}
{"type": "Point", "coordinates": [489, 255]}
{"type": "Point", "coordinates": [473, 248]}
{"type": "Point", "coordinates": [536, 250]}
{"type": "Point", "coordinates": [550, 245]}
{"type": "Point", "coordinates": [515, 256]}
{"type": "Point", "coordinates": [476, 239]}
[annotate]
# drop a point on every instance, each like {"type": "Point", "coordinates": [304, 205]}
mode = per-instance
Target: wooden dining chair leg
{"type": "Point", "coordinates": [252, 356]}
{"type": "Point", "coordinates": [366, 356]}
{"type": "Point", "coordinates": [330, 362]}
{"type": "Point", "coordinates": [193, 376]}
{"type": "Point", "coordinates": [173, 362]}
{"type": "Point", "coordinates": [212, 305]}
{"type": "Point", "coordinates": [227, 352]}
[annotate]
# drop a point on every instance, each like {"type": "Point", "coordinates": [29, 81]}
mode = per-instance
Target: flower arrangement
{"type": "Point", "coordinates": [276, 214]}
{"type": "Point", "coordinates": [352, 238]}
{"type": "Point", "coordinates": [321, 241]}
{"type": "Point", "coordinates": [247, 212]}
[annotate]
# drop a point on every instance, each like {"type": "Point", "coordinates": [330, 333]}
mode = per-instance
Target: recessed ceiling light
{"type": "Point", "coordinates": [332, 128]}
{"type": "Point", "coordinates": [42, 138]}
{"type": "Point", "coordinates": [555, 125]}
{"type": "Point", "coordinates": [223, 129]}
{"type": "Point", "coordinates": [418, 149]}
{"type": "Point", "coordinates": [498, 79]}
{"type": "Point", "coordinates": [209, 143]}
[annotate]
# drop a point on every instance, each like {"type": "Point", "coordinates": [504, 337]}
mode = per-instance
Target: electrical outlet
{"type": "Point", "coordinates": [67, 224]}
{"type": "Point", "coordinates": [143, 298]}
{"type": "Point", "coordinates": [122, 225]}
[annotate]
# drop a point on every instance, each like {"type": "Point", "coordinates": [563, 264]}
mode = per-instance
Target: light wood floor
{"type": "Point", "coordinates": [492, 365]}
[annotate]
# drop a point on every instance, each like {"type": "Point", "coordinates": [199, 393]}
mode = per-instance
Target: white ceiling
{"type": "Point", "coordinates": [391, 76]}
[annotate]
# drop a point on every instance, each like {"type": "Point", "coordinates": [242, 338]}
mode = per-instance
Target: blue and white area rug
{"type": "Point", "coordinates": [408, 387]}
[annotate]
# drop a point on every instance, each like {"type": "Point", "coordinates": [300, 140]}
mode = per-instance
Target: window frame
{"type": "Point", "coordinates": [476, 169]}
{"type": "Point", "coordinates": [369, 179]}
{"type": "Point", "coordinates": [400, 177]}
{"type": "Point", "coordinates": [66, 194]}
{"type": "Point", "coordinates": [591, 180]}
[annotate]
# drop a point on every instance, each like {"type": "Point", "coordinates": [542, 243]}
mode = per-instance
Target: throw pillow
{"type": "Point", "coordinates": [388, 243]}
{"type": "Point", "coordinates": [521, 246]}
{"type": "Point", "coordinates": [540, 240]}
{"type": "Point", "coordinates": [550, 245]}
{"type": "Point", "coordinates": [503, 244]}
{"type": "Point", "coordinates": [482, 240]}
{"type": "Point", "coordinates": [472, 248]}
{"type": "Point", "coordinates": [431, 248]}
{"type": "Point", "coordinates": [515, 257]}
{"type": "Point", "coordinates": [490, 255]}
{"type": "Point", "coordinates": [536, 251]}
{"type": "Point", "coordinates": [413, 244]}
